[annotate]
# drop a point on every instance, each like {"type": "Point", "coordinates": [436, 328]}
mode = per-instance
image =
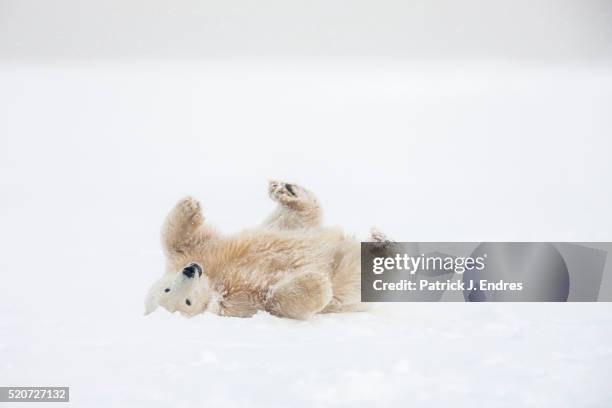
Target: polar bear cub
{"type": "Point", "coordinates": [291, 266]}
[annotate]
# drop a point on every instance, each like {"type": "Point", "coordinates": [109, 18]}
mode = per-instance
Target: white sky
{"type": "Point", "coordinates": [566, 30]}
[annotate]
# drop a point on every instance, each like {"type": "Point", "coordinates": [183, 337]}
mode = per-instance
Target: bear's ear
{"type": "Point", "coordinates": [152, 299]}
{"type": "Point", "coordinates": [150, 305]}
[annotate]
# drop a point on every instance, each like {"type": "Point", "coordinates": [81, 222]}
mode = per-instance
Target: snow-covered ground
{"type": "Point", "coordinates": [92, 156]}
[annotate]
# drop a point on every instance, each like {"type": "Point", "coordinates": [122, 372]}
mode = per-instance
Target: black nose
{"type": "Point", "coordinates": [191, 270]}
{"type": "Point", "coordinates": [290, 189]}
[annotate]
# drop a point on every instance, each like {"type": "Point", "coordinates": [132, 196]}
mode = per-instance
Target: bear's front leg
{"type": "Point", "coordinates": [300, 296]}
{"type": "Point", "coordinates": [297, 207]}
{"type": "Point", "coordinates": [183, 228]}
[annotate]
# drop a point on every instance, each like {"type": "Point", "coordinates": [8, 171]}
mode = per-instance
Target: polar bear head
{"type": "Point", "coordinates": [186, 291]}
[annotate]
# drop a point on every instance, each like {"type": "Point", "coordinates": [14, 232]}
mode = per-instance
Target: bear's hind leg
{"type": "Point", "coordinates": [300, 296]}
{"type": "Point", "coordinates": [346, 280]}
